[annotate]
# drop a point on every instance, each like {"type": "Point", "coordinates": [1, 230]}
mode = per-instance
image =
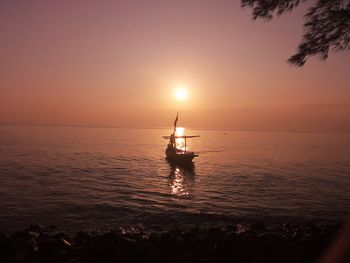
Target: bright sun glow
{"type": "Point", "coordinates": [180, 131]}
{"type": "Point", "coordinates": [180, 142]}
{"type": "Point", "coordinates": [181, 93]}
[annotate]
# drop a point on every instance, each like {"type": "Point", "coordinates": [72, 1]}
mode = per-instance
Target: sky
{"type": "Point", "coordinates": [119, 63]}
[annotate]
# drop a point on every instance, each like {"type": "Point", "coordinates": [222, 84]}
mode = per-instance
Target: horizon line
{"type": "Point", "coordinates": [165, 127]}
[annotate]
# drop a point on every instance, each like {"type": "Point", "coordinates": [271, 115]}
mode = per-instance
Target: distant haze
{"type": "Point", "coordinates": [117, 63]}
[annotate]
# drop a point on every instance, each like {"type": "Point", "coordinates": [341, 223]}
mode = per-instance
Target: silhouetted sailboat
{"type": "Point", "coordinates": [173, 153]}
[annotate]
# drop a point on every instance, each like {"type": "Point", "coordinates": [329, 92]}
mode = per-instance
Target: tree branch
{"type": "Point", "coordinates": [326, 26]}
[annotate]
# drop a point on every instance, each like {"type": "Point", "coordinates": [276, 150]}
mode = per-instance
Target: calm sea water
{"type": "Point", "coordinates": [82, 178]}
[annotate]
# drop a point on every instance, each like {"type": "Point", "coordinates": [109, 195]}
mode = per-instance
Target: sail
{"type": "Point", "coordinates": [175, 122]}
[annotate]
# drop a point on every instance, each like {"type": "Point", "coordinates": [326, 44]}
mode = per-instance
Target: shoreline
{"type": "Point", "coordinates": [238, 242]}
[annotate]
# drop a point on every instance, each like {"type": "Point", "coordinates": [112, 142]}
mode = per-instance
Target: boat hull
{"type": "Point", "coordinates": [181, 158]}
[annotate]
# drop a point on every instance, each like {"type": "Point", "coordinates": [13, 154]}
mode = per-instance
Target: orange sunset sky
{"type": "Point", "coordinates": [118, 63]}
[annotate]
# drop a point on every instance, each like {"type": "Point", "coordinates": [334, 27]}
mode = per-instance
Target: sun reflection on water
{"type": "Point", "coordinates": [181, 181]}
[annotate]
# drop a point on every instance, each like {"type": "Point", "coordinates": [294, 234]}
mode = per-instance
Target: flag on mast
{"type": "Point", "coordinates": [175, 122]}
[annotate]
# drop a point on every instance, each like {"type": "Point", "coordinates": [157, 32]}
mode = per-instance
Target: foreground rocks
{"type": "Point", "coordinates": [236, 243]}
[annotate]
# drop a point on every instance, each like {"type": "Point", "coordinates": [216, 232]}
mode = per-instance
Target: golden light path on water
{"type": "Point", "coordinates": [181, 181]}
{"type": "Point", "coordinates": [177, 185]}
{"type": "Point", "coordinates": [178, 177]}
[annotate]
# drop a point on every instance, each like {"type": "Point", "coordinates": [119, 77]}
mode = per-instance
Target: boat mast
{"type": "Point", "coordinates": [174, 132]}
{"type": "Point", "coordinates": [175, 122]}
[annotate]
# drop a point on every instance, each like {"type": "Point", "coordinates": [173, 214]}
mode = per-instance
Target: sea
{"type": "Point", "coordinates": [79, 178]}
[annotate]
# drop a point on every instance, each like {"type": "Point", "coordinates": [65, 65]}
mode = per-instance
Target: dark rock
{"type": "Point", "coordinates": [104, 248]}
{"type": "Point", "coordinates": [231, 228]}
{"type": "Point", "coordinates": [258, 226]}
{"type": "Point", "coordinates": [8, 252]}
{"type": "Point", "coordinates": [25, 242]}
{"type": "Point", "coordinates": [82, 238]}
{"type": "Point", "coordinates": [48, 247]}
{"type": "Point", "coordinates": [286, 225]}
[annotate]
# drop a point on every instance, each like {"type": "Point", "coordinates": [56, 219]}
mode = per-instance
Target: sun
{"type": "Point", "coordinates": [181, 93]}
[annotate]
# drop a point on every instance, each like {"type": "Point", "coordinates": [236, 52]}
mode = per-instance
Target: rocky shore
{"type": "Point", "coordinates": [239, 242]}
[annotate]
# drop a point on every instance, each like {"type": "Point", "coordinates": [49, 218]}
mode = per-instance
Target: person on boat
{"type": "Point", "coordinates": [171, 149]}
{"type": "Point", "coordinates": [172, 140]}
